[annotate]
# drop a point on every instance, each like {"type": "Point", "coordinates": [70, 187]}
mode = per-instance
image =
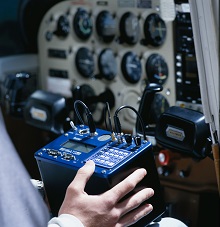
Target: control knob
{"type": "Point", "coordinates": [63, 27]}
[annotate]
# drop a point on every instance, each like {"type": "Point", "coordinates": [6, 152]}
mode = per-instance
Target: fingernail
{"type": "Point", "coordinates": [90, 162]}
{"type": "Point", "coordinates": [151, 191]}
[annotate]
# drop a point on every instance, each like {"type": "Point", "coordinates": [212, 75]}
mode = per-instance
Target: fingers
{"type": "Point", "coordinates": [83, 175]}
{"type": "Point", "coordinates": [127, 185]}
{"type": "Point", "coordinates": [135, 200]}
{"type": "Point", "coordinates": [135, 215]}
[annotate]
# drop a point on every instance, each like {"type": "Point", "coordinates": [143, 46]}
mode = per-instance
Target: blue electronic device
{"type": "Point", "coordinates": [59, 161]}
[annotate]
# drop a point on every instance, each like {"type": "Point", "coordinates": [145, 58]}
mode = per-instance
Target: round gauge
{"type": "Point", "coordinates": [156, 69]}
{"type": "Point", "coordinates": [63, 27]}
{"type": "Point", "coordinates": [107, 64]}
{"type": "Point", "coordinates": [130, 28]}
{"type": "Point", "coordinates": [131, 67]}
{"type": "Point", "coordinates": [159, 105]}
{"type": "Point", "coordinates": [85, 62]}
{"type": "Point", "coordinates": [106, 26]}
{"type": "Point", "coordinates": [82, 24]}
{"type": "Point", "coordinates": [155, 30]}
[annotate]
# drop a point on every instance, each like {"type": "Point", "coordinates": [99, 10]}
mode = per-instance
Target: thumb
{"type": "Point", "coordinates": [83, 175]}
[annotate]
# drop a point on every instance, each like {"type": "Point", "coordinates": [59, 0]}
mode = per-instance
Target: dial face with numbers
{"type": "Point", "coordinates": [107, 64]}
{"type": "Point", "coordinates": [82, 24]}
{"type": "Point", "coordinates": [131, 67]}
{"type": "Point", "coordinates": [130, 28]}
{"type": "Point", "coordinates": [156, 69]}
{"type": "Point", "coordinates": [106, 26]}
{"type": "Point", "coordinates": [155, 30]}
{"type": "Point", "coordinates": [85, 62]}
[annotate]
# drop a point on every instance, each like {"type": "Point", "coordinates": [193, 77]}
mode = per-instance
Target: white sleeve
{"type": "Point", "coordinates": [65, 220]}
{"type": "Point", "coordinates": [168, 221]}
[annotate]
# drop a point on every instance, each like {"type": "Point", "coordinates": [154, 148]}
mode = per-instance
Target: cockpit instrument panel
{"type": "Point", "coordinates": [106, 46]}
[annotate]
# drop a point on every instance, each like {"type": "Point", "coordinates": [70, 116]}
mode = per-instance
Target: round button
{"type": "Point", "coordinates": [164, 157]}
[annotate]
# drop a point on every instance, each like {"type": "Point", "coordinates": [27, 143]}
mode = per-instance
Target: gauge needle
{"type": "Point", "coordinates": [132, 65]}
{"type": "Point", "coordinates": [86, 61]}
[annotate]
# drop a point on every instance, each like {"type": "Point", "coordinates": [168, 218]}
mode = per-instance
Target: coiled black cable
{"type": "Point", "coordinates": [117, 121]}
{"type": "Point", "coordinates": [91, 123]}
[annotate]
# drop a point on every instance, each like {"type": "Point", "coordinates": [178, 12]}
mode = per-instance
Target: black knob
{"type": "Point", "coordinates": [137, 140]}
{"type": "Point", "coordinates": [63, 27]}
{"type": "Point", "coordinates": [128, 138]}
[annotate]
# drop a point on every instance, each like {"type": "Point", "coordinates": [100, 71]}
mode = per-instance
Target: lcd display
{"type": "Point", "coordinates": [191, 69]}
{"type": "Point", "coordinates": [82, 147]}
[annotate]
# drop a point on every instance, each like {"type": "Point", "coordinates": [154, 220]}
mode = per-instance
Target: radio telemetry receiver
{"type": "Point", "coordinates": [115, 158]}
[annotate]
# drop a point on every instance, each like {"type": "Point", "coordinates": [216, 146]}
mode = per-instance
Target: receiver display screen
{"type": "Point", "coordinates": [191, 71]}
{"type": "Point", "coordinates": [82, 147]}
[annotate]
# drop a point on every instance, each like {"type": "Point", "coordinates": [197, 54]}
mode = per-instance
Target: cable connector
{"type": "Point", "coordinates": [90, 120]}
{"type": "Point", "coordinates": [117, 124]}
{"type": "Point", "coordinates": [113, 137]}
{"type": "Point", "coordinates": [91, 124]}
{"type": "Point", "coordinates": [73, 126]}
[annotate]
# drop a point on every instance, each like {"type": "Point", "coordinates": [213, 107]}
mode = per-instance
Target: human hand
{"type": "Point", "coordinates": [106, 210]}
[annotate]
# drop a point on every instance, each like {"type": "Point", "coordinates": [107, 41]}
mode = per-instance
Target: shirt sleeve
{"type": "Point", "coordinates": [20, 203]}
{"type": "Point", "coordinates": [65, 220]}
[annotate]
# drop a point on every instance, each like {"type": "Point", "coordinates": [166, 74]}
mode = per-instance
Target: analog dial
{"type": "Point", "coordinates": [154, 30]}
{"type": "Point", "coordinates": [82, 24]}
{"type": "Point", "coordinates": [131, 67]}
{"type": "Point", "coordinates": [130, 28]}
{"type": "Point", "coordinates": [85, 62]}
{"type": "Point", "coordinates": [107, 64]}
{"type": "Point", "coordinates": [106, 26]}
{"type": "Point", "coordinates": [157, 69]}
